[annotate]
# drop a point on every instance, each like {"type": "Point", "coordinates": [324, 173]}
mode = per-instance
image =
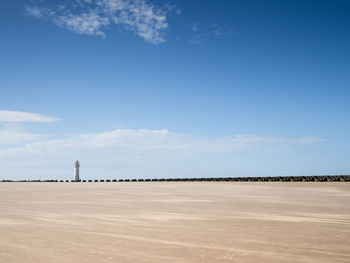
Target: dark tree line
{"type": "Point", "coordinates": [312, 178]}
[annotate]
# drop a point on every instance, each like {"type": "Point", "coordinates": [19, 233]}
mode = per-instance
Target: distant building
{"type": "Point", "coordinates": [76, 171]}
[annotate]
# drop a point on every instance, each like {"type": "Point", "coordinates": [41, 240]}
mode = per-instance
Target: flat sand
{"type": "Point", "coordinates": [174, 222]}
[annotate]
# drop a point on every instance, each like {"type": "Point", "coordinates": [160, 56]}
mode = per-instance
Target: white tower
{"type": "Point", "coordinates": [76, 171]}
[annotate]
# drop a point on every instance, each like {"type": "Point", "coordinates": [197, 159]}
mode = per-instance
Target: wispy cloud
{"type": "Point", "coordinates": [17, 135]}
{"type": "Point", "coordinates": [94, 17]}
{"type": "Point", "coordinates": [195, 27]}
{"type": "Point", "coordinates": [201, 33]}
{"type": "Point", "coordinates": [133, 150]}
{"type": "Point", "coordinates": [89, 24]}
{"type": "Point", "coordinates": [13, 130]}
{"type": "Point", "coordinates": [34, 11]}
{"type": "Point", "coordinates": [18, 116]}
{"type": "Point", "coordinates": [146, 142]}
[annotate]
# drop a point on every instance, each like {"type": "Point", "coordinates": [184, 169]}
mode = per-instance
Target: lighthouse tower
{"type": "Point", "coordinates": [76, 171]}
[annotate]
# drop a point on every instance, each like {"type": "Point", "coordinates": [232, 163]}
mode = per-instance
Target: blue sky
{"type": "Point", "coordinates": [174, 88]}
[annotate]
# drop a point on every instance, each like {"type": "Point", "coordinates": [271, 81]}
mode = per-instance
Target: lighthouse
{"type": "Point", "coordinates": [76, 171]}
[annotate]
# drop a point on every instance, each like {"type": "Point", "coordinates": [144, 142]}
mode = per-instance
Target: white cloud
{"type": "Point", "coordinates": [10, 136]}
{"type": "Point", "coordinates": [129, 141]}
{"type": "Point", "coordinates": [12, 130]}
{"type": "Point", "coordinates": [195, 27]}
{"type": "Point", "coordinates": [94, 17]}
{"type": "Point", "coordinates": [145, 142]}
{"type": "Point", "coordinates": [142, 152]}
{"type": "Point", "coordinates": [201, 34]}
{"type": "Point", "coordinates": [34, 11]}
{"type": "Point", "coordinates": [18, 116]}
{"type": "Point", "coordinates": [89, 24]}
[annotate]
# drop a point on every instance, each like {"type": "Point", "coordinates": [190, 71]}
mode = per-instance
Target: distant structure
{"type": "Point", "coordinates": [76, 171]}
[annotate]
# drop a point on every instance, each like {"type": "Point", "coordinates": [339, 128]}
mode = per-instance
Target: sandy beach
{"type": "Point", "coordinates": [174, 222]}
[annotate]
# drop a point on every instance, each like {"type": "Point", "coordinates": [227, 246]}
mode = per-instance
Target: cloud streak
{"type": "Point", "coordinates": [201, 33]}
{"type": "Point", "coordinates": [18, 116]}
{"type": "Point", "coordinates": [133, 152]}
{"type": "Point", "coordinates": [94, 17]}
{"type": "Point", "coordinates": [126, 141]}
{"type": "Point", "coordinates": [34, 11]}
{"type": "Point", "coordinates": [11, 136]}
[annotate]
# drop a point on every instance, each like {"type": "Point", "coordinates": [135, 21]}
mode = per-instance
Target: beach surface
{"type": "Point", "coordinates": [174, 222]}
